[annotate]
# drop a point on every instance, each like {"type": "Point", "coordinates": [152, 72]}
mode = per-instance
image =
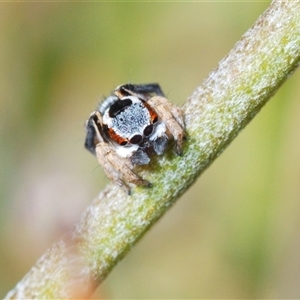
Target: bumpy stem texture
{"type": "Point", "coordinates": [214, 114]}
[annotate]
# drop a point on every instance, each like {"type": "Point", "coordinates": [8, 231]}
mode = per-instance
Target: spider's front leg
{"type": "Point", "coordinates": [172, 116]}
{"type": "Point", "coordinates": [117, 168]}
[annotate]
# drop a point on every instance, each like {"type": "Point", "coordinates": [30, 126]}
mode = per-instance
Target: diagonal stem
{"type": "Point", "coordinates": [215, 113]}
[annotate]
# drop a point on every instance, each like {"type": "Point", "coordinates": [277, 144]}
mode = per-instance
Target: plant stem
{"type": "Point", "coordinates": [214, 114]}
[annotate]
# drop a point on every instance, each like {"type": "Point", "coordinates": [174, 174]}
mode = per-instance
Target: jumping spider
{"type": "Point", "coordinates": [130, 125]}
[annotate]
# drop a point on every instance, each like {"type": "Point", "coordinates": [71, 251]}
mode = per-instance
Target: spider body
{"type": "Point", "coordinates": [131, 125]}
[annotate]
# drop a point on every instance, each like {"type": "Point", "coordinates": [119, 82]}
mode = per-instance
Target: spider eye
{"type": "Point", "coordinates": [148, 130]}
{"type": "Point", "coordinates": [118, 107]}
{"type": "Point", "coordinates": [123, 143]}
{"type": "Point", "coordinates": [136, 139]}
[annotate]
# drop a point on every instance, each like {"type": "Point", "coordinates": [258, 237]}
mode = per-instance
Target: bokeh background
{"type": "Point", "coordinates": [234, 234]}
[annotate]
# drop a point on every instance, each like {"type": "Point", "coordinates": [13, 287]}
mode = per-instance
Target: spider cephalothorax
{"type": "Point", "coordinates": [131, 125]}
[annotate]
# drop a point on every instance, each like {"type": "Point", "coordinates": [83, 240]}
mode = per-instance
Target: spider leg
{"type": "Point", "coordinates": [118, 169]}
{"type": "Point", "coordinates": [95, 132]}
{"type": "Point", "coordinates": [172, 117]}
{"type": "Point", "coordinates": [89, 143]}
{"type": "Point", "coordinates": [144, 90]}
{"type": "Point", "coordinates": [147, 88]}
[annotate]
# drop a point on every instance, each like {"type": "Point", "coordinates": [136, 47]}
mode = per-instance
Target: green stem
{"type": "Point", "coordinates": [215, 113]}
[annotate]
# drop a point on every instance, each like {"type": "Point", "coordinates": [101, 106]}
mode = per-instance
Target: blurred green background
{"type": "Point", "coordinates": [234, 234]}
